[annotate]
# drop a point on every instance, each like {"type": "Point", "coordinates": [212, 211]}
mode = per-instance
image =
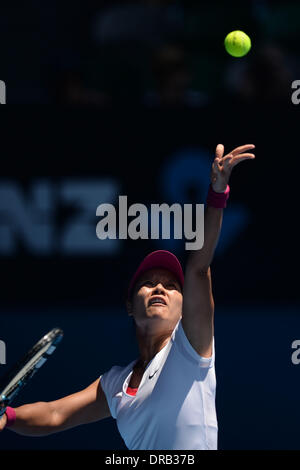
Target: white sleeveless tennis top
{"type": "Point", "coordinates": [174, 407]}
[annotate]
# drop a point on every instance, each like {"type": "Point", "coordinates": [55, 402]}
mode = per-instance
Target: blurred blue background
{"type": "Point", "coordinates": [153, 53]}
{"type": "Point", "coordinates": [139, 94]}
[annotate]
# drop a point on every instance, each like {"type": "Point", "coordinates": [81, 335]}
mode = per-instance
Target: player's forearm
{"type": "Point", "coordinates": [35, 419]}
{"type": "Point", "coordinates": [200, 260]}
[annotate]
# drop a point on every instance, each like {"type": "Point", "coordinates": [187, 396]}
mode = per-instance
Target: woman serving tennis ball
{"type": "Point", "coordinates": [166, 398]}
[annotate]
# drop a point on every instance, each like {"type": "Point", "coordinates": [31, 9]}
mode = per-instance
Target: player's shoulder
{"type": "Point", "coordinates": [186, 350]}
{"type": "Point", "coordinates": [117, 371]}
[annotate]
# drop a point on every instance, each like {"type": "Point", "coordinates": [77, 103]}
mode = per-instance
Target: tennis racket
{"type": "Point", "coordinates": [18, 376]}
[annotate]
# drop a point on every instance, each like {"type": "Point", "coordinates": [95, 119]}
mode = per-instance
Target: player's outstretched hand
{"type": "Point", "coordinates": [222, 165]}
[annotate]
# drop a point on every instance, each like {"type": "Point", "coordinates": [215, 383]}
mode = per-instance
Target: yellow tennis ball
{"type": "Point", "coordinates": [237, 43]}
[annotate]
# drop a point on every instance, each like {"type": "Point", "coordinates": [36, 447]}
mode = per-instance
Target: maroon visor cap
{"type": "Point", "coordinates": [158, 259]}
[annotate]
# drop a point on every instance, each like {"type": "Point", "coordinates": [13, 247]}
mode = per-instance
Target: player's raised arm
{"type": "Point", "coordinates": [44, 418]}
{"type": "Point", "coordinates": [198, 303]}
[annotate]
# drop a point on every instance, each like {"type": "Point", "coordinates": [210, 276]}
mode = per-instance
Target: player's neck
{"type": "Point", "coordinates": [150, 344]}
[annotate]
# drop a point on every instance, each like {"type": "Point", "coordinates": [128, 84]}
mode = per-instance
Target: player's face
{"type": "Point", "coordinates": [157, 296]}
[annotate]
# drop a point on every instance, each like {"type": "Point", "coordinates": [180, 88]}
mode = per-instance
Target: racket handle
{"type": "Point", "coordinates": [2, 405]}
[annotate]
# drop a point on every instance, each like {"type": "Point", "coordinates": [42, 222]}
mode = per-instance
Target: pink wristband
{"type": "Point", "coordinates": [11, 416]}
{"type": "Point", "coordinates": [217, 200]}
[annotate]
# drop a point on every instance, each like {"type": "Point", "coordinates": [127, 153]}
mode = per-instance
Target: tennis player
{"type": "Point", "coordinates": [166, 398]}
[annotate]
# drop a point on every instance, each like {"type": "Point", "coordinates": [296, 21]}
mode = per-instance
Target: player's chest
{"type": "Point", "coordinates": [136, 378]}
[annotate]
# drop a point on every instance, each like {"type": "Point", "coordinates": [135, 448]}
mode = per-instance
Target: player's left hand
{"type": "Point", "coordinates": [222, 165]}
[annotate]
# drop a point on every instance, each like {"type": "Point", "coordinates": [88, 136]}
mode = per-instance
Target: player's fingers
{"type": "Point", "coordinates": [3, 421]}
{"type": "Point", "coordinates": [219, 151]}
{"type": "Point", "coordinates": [217, 165]}
{"type": "Point", "coordinates": [242, 148]}
{"type": "Point", "coordinates": [227, 159]}
{"type": "Point", "coordinates": [240, 158]}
